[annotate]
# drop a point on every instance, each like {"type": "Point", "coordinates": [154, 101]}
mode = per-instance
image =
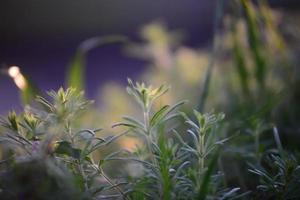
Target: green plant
{"type": "Point", "coordinates": [161, 152]}
{"type": "Point", "coordinates": [172, 169]}
{"type": "Point", "coordinates": [279, 177]}
{"type": "Point", "coordinates": [49, 139]}
{"type": "Point", "coordinates": [178, 157]}
{"type": "Point", "coordinates": [47, 152]}
{"type": "Point", "coordinates": [279, 173]}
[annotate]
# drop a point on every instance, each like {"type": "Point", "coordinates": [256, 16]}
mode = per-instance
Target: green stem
{"type": "Point", "coordinates": [278, 142]}
{"type": "Point", "coordinates": [146, 120]}
{"type": "Point", "coordinates": [148, 138]}
{"type": "Point", "coordinates": [117, 188]}
{"type": "Point", "coordinates": [201, 153]}
{"type": "Point", "coordinates": [112, 184]}
{"type": "Point", "coordinates": [216, 49]}
{"type": "Point", "coordinates": [257, 144]}
{"type": "Point", "coordinates": [81, 170]}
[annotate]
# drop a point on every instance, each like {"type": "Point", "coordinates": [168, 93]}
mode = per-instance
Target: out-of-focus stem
{"type": "Point", "coordinates": [201, 152]}
{"type": "Point", "coordinates": [117, 188]}
{"type": "Point", "coordinates": [257, 144]}
{"type": "Point", "coordinates": [148, 138]}
{"type": "Point", "coordinates": [216, 48]}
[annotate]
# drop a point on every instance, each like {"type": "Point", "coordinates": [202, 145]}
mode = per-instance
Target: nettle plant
{"type": "Point", "coordinates": [46, 154]}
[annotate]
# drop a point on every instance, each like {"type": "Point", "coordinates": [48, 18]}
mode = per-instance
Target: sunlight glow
{"type": "Point", "coordinates": [15, 73]}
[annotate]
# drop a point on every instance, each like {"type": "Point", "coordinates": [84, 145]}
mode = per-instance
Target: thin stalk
{"type": "Point", "coordinates": [201, 153]}
{"type": "Point", "coordinates": [118, 189]}
{"type": "Point", "coordinates": [101, 172]}
{"type": "Point", "coordinates": [216, 48]}
{"type": "Point", "coordinates": [278, 142]}
{"type": "Point", "coordinates": [257, 144]}
{"type": "Point", "coordinates": [148, 138]}
{"type": "Point", "coordinates": [69, 131]}
{"type": "Point", "coordinates": [146, 120]}
{"type": "Point", "coordinates": [19, 142]}
{"type": "Point", "coordinates": [81, 170]}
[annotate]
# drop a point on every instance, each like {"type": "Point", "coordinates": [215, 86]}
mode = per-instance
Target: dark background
{"type": "Point", "coordinates": [41, 36]}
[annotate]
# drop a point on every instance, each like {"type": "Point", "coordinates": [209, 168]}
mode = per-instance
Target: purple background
{"type": "Point", "coordinates": [41, 36]}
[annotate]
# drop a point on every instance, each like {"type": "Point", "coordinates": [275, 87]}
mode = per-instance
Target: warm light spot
{"type": "Point", "coordinates": [20, 82]}
{"type": "Point", "coordinates": [15, 73]}
{"type": "Point", "coordinates": [129, 143]}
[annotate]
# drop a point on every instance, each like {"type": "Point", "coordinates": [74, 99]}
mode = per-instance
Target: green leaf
{"type": "Point", "coordinates": [30, 91]}
{"type": "Point", "coordinates": [255, 42]}
{"type": "Point", "coordinates": [66, 148]}
{"type": "Point", "coordinates": [76, 71]}
{"type": "Point", "coordinates": [85, 134]}
{"type": "Point", "coordinates": [123, 124]}
{"type": "Point", "coordinates": [13, 121]}
{"type": "Point", "coordinates": [134, 122]}
{"type": "Point", "coordinates": [158, 115]}
{"type": "Point", "coordinates": [164, 113]}
{"type": "Point", "coordinates": [174, 107]}
{"type": "Point", "coordinates": [240, 63]}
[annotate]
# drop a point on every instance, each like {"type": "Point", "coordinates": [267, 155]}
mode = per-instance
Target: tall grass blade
{"type": "Point", "coordinates": [76, 70]}
{"type": "Point", "coordinates": [30, 92]}
{"type": "Point", "coordinates": [240, 62]}
{"type": "Point", "coordinates": [255, 42]}
{"type": "Point", "coordinates": [216, 46]}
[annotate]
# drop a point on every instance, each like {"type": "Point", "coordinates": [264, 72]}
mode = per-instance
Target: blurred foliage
{"type": "Point", "coordinates": [76, 71]}
{"type": "Point", "coordinates": [251, 73]}
{"type": "Point", "coordinates": [255, 80]}
{"type": "Point", "coordinates": [45, 149]}
{"type": "Point", "coordinates": [254, 71]}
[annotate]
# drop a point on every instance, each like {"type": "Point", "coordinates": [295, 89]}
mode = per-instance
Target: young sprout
{"type": "Point", "coordinates": [145, 97]}
{"type": "Point", "coordinates": [202, 133]}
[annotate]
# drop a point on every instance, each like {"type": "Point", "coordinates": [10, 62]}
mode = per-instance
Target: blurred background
{"type": "Point", "coordinates": [41, 37]}
{"type": "Point", "coordinates": [240, 57]}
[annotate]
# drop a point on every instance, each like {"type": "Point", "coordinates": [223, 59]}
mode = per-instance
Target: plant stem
{"type": "Point", "coordinates": [100, 170]}
{"type": "Point", "coordinates": [83, 175]}
{"type": "Point", "coordinates": [278, 142]}
{"type": "Point", "coordinates": [216, 49]}
{"type": "Point", "coordinates": [257, 143]}
{"type": "Point", "coordinates": [112, 184]}
{"type": "Point", "coordinates": [146, 120]}
{"type": "Point", "coordinates": [201, 153]}
{"type": "Point", "coordinates": [148, 138]}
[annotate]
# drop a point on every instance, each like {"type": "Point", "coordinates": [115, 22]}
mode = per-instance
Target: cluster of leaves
{"type": "Point", "coordinates": [46, 155]}
{"type": "Point", "coordinates": [45, 148]}
{"type": "Point", "coordinates": [279, 177]}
